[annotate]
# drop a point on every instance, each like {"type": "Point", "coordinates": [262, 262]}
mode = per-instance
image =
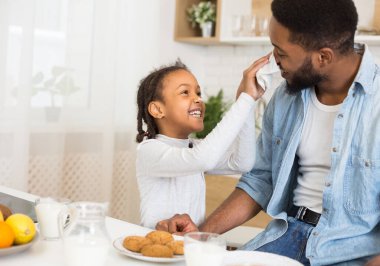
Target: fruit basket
{"type": "Point", "coordinates": [18, 248]}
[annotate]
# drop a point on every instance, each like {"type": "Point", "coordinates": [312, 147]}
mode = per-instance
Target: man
{"type": "Point", "coordinates": [317, 169]}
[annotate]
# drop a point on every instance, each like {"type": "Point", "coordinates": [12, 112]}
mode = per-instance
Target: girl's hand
{"type": "Point", "coordinates": [249, 82]}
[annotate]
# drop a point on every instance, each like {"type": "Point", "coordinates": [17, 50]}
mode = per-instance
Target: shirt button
{"type": "Point", "coordinates": [353, 95]}
{"type": "Point", "coordinates": [328, 184]}
{"type": "Point", "coordinates": [367, 164]}
{"type": "Point", "coordinates": [325, 210]}
{"type": "Point", "coordinates": [315, 233]}
{"type": "Point", "coordinates": [340, 116]}
{"type": "Point", "coordinates": [278, 142]}
{"type": "Point", "coordinates": [334, 149]}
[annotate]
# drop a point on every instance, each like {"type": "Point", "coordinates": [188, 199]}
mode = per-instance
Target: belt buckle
{"type": "Point", "coordinates": [301, 213]}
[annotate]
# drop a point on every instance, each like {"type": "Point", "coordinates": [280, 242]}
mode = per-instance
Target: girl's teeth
{"type": "Point", "coordinates": [195, 113]}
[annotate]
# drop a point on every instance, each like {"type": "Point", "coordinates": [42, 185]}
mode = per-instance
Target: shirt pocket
{"type": "Point", "coordinates": [362, 186]}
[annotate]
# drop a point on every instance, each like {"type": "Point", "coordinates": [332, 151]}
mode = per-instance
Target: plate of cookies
{"type": "Point", "coordinates": [156, 246]}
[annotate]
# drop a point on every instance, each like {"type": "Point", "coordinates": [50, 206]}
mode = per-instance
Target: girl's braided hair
{"type": "Point", "coordinates": [150, 89]}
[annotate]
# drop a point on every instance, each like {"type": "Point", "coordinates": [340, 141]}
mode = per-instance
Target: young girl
{"type": "Point", "coordinates": [170, 166]}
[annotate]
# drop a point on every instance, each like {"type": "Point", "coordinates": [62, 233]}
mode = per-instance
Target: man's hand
{"type": "Point", "coordinates": [374, 262]}
{"type": "Point", "coordinates": [179, 224]}
{"type": "Point", "coordinates": [249, 82]}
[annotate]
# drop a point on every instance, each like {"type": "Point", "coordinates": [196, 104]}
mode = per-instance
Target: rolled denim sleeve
{"type": "Point", "coordinates": [256, 187]}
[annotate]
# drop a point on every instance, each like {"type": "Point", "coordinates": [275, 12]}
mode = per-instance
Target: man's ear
{"type": "Point", "coordinates": [156, 109]}
{"type": "Point", "coordinates": [325, 56]}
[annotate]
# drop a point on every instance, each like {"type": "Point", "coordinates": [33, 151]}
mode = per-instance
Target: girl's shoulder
{"type": "Point", "coordinates": [154, 144]}
{"type": "Point", "coordinates": [147, 143]}
{"type": "Point", "coordinates": [163, 143]}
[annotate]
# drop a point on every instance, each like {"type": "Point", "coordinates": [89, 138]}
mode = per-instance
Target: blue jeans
{"type": "Point", "coordinates": [293, 243]}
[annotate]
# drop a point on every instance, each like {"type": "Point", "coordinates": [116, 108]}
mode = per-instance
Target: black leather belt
{"type": "Point", "coordinates": [304, 214]}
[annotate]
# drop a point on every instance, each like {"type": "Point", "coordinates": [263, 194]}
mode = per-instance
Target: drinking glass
{"type": "Point", "coordinates": [204, 249]}
{"type": "Point", "coordinates": [262, 26]}
{"type": "Point", "coordinates": [236, 25]}
{"type": "Point", "coordinates": [249, 25]}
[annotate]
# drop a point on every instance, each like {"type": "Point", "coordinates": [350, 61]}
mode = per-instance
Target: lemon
{"type": "Point", "coordinates": [23, 228]}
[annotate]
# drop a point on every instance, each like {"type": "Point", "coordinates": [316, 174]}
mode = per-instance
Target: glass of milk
{"type": "Point", "coordinates": [85, 239]}
{"type": "Point", "coordinates": [204, 249]}
{"type": "Point", "coordinates": [47, 211]}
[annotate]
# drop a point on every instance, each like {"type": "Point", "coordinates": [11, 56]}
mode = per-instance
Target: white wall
{"type": "Point", "coordinates": [145, 43]}
{"type": "Point", "coordinates": [148, 43]}
{"type": "Point", "coordinates": [215, 67]}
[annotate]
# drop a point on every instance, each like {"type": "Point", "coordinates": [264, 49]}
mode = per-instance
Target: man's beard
{"type": "Point", "coordinates": [303, 78]}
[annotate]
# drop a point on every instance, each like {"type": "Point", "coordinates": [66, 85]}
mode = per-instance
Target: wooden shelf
{"type": "Point", "coordinates": [199, 40]}
{"type": "Point", "coordinates": [225, 10]}
{"type": "Point", "coordinates": [368, 39]}
{"type": "Point", "coordinates": [260, 40]}
{"type": "Point", "coordinates": [184, 32]}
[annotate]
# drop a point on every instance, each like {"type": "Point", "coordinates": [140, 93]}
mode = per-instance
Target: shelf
{"type": "Point", "coordinates": [225, 10]}
{"type": "Point", "coordinates": [259, 40]}
{"type": "Point", "coordinates": [199, 40]}
{"type": "Point", "coordinates": [368, 39]}
{"type": "Point", "coordinates": [262, 40]}
{"type": "Point", "coordinates": [183, 31]}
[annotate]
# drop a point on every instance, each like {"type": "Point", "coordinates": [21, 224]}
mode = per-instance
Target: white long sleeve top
{"type": "Point", "coordinates": [170, 175]}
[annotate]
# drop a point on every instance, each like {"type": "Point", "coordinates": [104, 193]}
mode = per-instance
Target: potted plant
{"type": "Point", "coordinates": [216, 107]}
{"type": "Point", "coordinates": [204, 15]}
{"type": "Point", "coordinates": [60, 84]}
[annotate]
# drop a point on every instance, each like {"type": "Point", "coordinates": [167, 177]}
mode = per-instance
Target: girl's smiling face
{"type": "Point", "coordinates": [182, 110]}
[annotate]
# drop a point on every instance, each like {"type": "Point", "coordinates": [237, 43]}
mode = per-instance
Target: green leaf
{"type": "Point", "coordinates": [215, 109]}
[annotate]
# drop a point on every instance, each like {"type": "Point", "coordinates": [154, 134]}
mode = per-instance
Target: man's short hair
{"type": "Point", "coordinates": [315, 24]}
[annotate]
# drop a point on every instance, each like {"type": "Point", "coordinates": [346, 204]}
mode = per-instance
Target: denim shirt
{"type": "Point", "coordinates": [349, 226]}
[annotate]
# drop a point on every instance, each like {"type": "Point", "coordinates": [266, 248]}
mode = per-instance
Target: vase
{"type": "Point", "coordinates": [207, 28]}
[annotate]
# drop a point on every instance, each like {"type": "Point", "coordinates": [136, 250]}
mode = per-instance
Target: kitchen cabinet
{"type": "Point", "coordinates": [229, 10]}
{"type": "Point", "coordinates": [218, 188]}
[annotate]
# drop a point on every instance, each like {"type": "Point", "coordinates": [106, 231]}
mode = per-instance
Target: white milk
{"type": "Point", "coordinates": [47, 216]}
{"type": "Point", "coordinates": [204, 254]}
{"type": "Point", "coordinates": [85, 251]}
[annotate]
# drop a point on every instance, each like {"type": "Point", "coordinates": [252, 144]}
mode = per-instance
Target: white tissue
{"type": "Point", "coordinates": [265, 74]}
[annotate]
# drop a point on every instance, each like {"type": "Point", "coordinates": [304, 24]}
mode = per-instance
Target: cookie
{"type": "Point", "coordinates": [176, 246]}
{"type": "Point", "coordinates": [136, 243]}
{"type": "Point", "coordinates": [160, 237]}
{"type": "Point", "coordinates": [158, 251]}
